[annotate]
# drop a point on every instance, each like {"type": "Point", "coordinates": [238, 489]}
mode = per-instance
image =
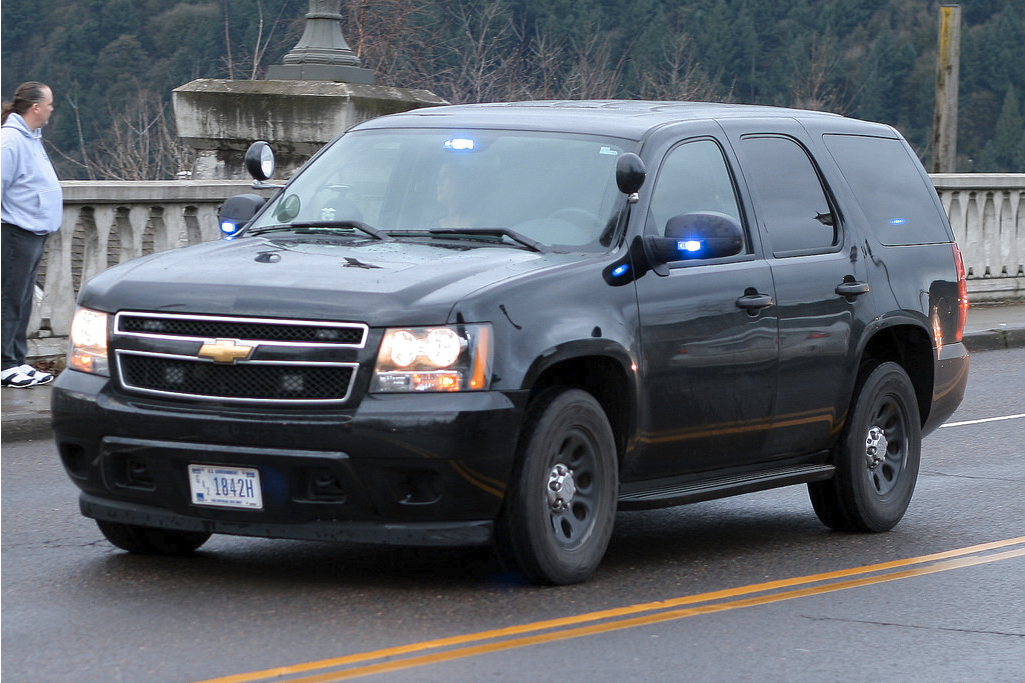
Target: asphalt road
{"type": "Point", "coordinates": [744, 589]}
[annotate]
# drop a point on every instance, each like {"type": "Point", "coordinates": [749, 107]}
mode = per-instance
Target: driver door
{"type": "Point", "coordinates": [709, 333]}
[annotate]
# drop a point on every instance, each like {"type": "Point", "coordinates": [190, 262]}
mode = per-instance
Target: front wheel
{"type": "Point", "coordinates": [877, 456]}
{"type": "Point", "coordinates": [558, 515]}
{"type": "Point", "coordinates": [144, 540]}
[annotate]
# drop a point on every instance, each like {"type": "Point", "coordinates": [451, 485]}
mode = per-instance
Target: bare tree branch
{"type": "Point", "coordinates": [680, 79]}
{"type": "Point", "coordinates": [141, 144]}
{"type": "Point", "coordinates": [810, 87]}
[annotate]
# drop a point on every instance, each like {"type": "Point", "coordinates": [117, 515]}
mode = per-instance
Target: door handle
{"type": "Point", "coordinates": [850, 289]}
{"type": "Point", "coordinates": [752, 302]}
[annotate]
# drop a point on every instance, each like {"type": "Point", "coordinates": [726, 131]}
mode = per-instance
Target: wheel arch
{"type": "Point", "coordinates": [605, 373]}
{"type": "Point", "coordinates": [909, 346]}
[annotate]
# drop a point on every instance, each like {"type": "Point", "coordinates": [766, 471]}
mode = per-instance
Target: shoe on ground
{"type": "Point", "coordinates": [40, 376]}
{"type": "Point", "coordinates": [15, 378]}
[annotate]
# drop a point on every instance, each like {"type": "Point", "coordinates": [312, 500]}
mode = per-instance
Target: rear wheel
{"type": "Point", "coordinates": [559, 512]}
{"type": "Point", "coordinates": [144, 540]}
{"type": "Point", "coordinates": [877, 456]}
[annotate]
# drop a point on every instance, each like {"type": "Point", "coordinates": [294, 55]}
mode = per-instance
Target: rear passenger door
{"type": "Point", "coordinates": [708, 331]}
{"type": "Point", "coordinates": [818, 280]}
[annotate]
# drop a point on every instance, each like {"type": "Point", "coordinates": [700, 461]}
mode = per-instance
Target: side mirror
{"type": "Point", "coordinates": [236, 212]}
{"type": "Point", "coordinates": [701, 235]}
{"type": "Point", "coordinates": [630, 173]}
{"type": "Point", "coordinates": [260, 160]}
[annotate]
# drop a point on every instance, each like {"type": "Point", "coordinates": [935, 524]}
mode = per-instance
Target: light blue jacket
{"type": "Point", "coordinates": [32, 197]}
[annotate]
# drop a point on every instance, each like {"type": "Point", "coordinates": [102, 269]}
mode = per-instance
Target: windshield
{"type": "Point", "coordinates": [553, 188]}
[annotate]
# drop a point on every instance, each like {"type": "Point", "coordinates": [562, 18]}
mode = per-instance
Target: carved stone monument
{"type": "Point", "coordinates": [321, 53]}
{"type": "Point", "coordinates": [317, 93]}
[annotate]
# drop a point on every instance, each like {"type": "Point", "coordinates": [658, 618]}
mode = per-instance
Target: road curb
{"type": "Point", "coordinates": [26, 414]}
{"type": "Point", "coordinates": [26, 428]}
{"type": "Point", "coordinates": [996, 339]}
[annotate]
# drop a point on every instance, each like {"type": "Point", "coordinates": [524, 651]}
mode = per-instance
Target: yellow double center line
{"type": "Point", "coordinates": [604, 621]}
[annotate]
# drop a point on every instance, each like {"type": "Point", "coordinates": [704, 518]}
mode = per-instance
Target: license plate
{"type": "Point", "coordinates": [225, 487]}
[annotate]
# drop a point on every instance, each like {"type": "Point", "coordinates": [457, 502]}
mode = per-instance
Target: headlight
{"type": "Point", "coordinates": [89, 342]}
{"type": "Point", "coordinates": [414, 359]}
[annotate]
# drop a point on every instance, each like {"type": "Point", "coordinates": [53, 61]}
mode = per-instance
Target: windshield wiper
{"type": "Point", "coordinates": [497, 232]}
{"type": "Point", "coordinates": [329, 225]}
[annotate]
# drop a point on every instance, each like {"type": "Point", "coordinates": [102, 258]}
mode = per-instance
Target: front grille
{"type": "Point", "coordinates": [255, 381]}
{"type": "Point", "coordinates": [282, 361]}
{"type": "Point", "coordinates": [246, 329]}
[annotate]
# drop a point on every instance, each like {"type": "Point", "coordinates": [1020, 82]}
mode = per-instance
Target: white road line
{"type": "Point", "coordinates": [985, 419]}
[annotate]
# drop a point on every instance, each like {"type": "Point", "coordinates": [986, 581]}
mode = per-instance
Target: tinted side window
{"type": "Point", "coordinates": [888, 184]}
{"type": "Point", "coordinates": [693, 177]}
{"type": "Point", "coordinates": [790, 200]}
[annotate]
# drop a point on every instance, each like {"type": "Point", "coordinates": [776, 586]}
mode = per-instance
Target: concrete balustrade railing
{"type": "Point", "coordinates": [106, 223]}
{"type": "Point", "coordinates": [110, 222]}
{"type": "Point", "coordinates": [987, 214]}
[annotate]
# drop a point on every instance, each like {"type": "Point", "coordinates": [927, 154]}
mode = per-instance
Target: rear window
{"type": "Point", "coordinates": [900, 205]}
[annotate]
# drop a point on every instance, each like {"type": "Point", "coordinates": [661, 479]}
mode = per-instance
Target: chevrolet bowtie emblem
{"type": "Point", "coordinates": [225, 351]}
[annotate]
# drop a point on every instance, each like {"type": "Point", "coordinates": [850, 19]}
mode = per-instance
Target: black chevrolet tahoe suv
{"type": "Point", "coordinates": [498, 324]}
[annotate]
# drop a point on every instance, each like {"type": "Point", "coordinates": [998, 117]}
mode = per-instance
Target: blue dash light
{"type": "Point", "coordinates": [228, 229]}
{"type": "Point", "coordinates": [898, 221]}
{"type": "Point", "coordinates": [460, 144]}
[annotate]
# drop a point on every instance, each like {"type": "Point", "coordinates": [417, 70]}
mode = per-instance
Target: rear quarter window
{"type": "Point", "coordinates": [791, 202]}
{"type": "Point", "coordinates": [887, 182]}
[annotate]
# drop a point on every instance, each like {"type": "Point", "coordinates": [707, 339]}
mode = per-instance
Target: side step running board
{"type": "Point", "coordinates": [662, 494]}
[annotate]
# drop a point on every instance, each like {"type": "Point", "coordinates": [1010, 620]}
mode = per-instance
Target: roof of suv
{"type": "Point", "coordinates": [623, 118]}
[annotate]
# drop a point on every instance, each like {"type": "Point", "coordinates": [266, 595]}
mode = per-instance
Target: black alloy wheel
{"type": "Point", "coordinates": [877, 457]}
{"type": "Point", "coordinates": [558, 515]}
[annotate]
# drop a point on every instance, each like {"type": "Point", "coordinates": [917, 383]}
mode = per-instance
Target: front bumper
{"type": "Point", "coordinates": [424, 469]}
{"type": "Point", "coordinates": [409, 533]}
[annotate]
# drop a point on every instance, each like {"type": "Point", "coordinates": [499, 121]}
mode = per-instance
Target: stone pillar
{"type": "Point", "coordinates": [319, 92]}
{"type": "Point", "coordinates": [221, 118]}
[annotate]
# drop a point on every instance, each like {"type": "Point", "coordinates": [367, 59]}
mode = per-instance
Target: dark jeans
{"type": "Point", "coordinates": [21, 253]}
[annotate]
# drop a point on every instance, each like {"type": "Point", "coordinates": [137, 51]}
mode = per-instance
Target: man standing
{"type": "Point", "coordinates": [31, 208]}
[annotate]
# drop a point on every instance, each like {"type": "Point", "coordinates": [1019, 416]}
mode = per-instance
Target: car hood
{"type": "Point", "coordinates": [346, 278]}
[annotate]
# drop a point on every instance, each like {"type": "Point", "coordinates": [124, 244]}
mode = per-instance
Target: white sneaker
{"type": "Point", "coordinates": [16, 379]}
{"type": "Point", "coordinates": [40, 376]}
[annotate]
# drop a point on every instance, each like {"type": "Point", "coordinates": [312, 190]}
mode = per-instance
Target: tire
{"type": "Point", "coordinates": [558, 515]}
{"type": "Point", "coordinates": [143, 540]}
{"type": "Point", "coordinates": [877, 457]}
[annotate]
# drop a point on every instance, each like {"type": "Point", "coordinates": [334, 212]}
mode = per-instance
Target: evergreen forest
{"type": "Point", "coordinates": [113, 63]}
